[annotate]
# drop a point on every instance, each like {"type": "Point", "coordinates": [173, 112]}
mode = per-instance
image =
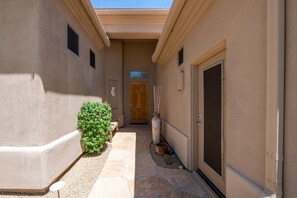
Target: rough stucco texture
{"type": "Point", "coordinates": [113, 57]}
{"type": "Point", "coordinates": [44, 83]}
{"type": "Point", "coordinates": [290, 139]}
{"type": "Point", "coordinates": [243, 25]}
{"type": "Point", "coordinates": [137, 57]}
{"type": "Point", "coordinates": [20, 87]}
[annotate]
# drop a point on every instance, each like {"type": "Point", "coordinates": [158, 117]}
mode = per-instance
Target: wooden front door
{"type": "Point", "coordinates": [139, 103]}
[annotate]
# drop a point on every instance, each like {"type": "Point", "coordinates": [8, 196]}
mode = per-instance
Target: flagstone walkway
{"type": "Point", "coordinates": [131, 172]}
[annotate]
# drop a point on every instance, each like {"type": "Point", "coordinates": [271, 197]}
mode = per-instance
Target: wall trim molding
{"type": "Point", "coordinates": [178, 140]}
{"type": "Point", "coordinates": [210, 53]}
{"type": "Point", "coordinates": [175, 10]}
{"type": "Point", "coordinates": [275, 96]}
{"type": "Point", "coordinates": [132, 16]}
{"type": "Point", "coordinates": [182, 18]}
{"type": "Point", "coordinates": [133, 23]}
{"type": "Point", "coordinates": [84, 13]}
{"type": "Point", "coordinates": [97, 22]}
{"type": "Point", "coordinates": [180, 131]}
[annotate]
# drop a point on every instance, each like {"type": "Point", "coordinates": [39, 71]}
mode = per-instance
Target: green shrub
{"type": "Point", "coordinates": [94, 120]}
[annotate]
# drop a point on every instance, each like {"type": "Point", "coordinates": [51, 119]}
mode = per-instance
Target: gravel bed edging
{"type": "Point", "coordinates": [160, 161]}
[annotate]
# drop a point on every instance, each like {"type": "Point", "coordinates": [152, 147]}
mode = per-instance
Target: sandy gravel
{"type": "Point", "coordinates": [79, 179]}
{"type": "Point", "coordinates": [159, 160]}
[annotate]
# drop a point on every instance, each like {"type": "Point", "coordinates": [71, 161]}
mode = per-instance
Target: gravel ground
{"type": "Point", "coordinates": [160, 161]}
{"type": "Point", "coordinates": [79, 179]}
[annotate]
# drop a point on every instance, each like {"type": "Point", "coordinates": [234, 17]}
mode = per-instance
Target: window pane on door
{"type": "Point", "coordinates": [212, 117]}
{"type": "Point", "coordinates": [139, 75]}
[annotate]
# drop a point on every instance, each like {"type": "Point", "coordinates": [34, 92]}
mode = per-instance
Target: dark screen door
{"type": "Point", "coordinates": [212, 79]}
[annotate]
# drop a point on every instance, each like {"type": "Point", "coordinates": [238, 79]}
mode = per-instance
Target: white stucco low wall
{"type": "Point", "coordinates": [35, 168]}
{"type": "Point", "coordinates": [177, 140]}
{"type": "Point", "coordinates": [43, 85]}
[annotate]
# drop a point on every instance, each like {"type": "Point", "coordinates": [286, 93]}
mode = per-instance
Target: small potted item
{"type": "Point", "coordinates": [156, 121]}
{"type": "Point", "coordinates": [161, 149]}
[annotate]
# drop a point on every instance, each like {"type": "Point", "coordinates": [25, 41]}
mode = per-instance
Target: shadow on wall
{"type": "Point", "coordinates": [35, 46]}
{"type": "Point", "coordinates": [43, 93]}
{"type": "Point", "coordinates": [35, 116]}
{"type": "Point", "coordinates": [44, 83]}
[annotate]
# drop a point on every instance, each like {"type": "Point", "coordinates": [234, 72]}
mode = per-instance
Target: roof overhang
{"type": "Point", "coordinates": [133, 23]}
{"type": "Point", "coordinates": [84, 13]}
{"type": "Point", "coordinates": [184, 14]}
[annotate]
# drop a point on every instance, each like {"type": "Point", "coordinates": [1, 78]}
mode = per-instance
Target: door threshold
{"type": "Point", "coordinates": [210, 184]}
{"type": "Point", "coordinates": [138, 123]}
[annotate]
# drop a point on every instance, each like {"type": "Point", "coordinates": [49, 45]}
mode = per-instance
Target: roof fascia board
{"type": "Point", "coordinates": [133, 23]}
{"type": "Point", "coordinates": [131, 12]}
{"type": "Point", "coordinates": [132, 16]}
{"type": "Point", "coordinates": [189, 15]}
{"type": "Point", "coordinates": [84, 18]}
{"type": "Point", "coordinates": [90, 9]}
{"type": "Point", "coordinates": [171, 19]}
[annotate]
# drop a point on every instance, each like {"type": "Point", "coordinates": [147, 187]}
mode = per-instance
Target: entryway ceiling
{"type": "Point", "coordinates": [133, 23]}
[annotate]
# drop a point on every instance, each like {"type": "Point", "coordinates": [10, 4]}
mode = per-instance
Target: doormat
{"type": "Point", "coordinates": [169, 160]}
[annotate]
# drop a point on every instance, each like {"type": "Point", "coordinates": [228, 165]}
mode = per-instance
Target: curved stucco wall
{"type": "Point", "coordinates": [68, 79]}
{"type": "Point", "coordinates": [43, 85]}
{"type": "Point", "coordinates": [34, 168]}
{"type": "Point", "coordinates": [243, 25]}
{"type": "Point", "coordinates": [21, 88]}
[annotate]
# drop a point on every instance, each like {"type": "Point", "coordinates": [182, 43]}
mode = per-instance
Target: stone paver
{"type": "Point", "coordinates": [115, 169]}
{"type": "Point", "coordinates": [131, 172]}
{"type": "Point", "coordinates": [110, 187]}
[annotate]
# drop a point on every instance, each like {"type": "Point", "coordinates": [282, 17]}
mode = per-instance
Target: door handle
{"type": "Point", "coordinates": [198, 123]}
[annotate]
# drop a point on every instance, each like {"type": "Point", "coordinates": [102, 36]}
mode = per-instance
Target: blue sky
{"type": "Point", "coordinates": [131, 3]}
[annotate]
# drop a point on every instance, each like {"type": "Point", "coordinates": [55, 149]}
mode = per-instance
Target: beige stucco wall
{"type": "Point", "coordinates": [137, 57]}
{"type": "Point", "coordinates": [44, 85]}
{"type": "Point", "coordinates": [290, 135]}
{"type": "Point", "coordinates": [20, 87]}
{"type": "Point", "coordinates": [67, 78]}
{"type": "Point", "coordinates": [113, 57]}
{"type": "Point", "coordinates": [243, 25]}
{"type": "Point", "coordinates": [42, 72]}
{"type": "Point", "coordinates": [122, 57]}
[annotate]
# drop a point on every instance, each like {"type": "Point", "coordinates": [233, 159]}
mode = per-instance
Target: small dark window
{"type": "Point", "coordinates": [92, 59]}
{"type": "Point", "coordinates": [180, 56]}
{"type": "Point", "coordinates": [72, 40]}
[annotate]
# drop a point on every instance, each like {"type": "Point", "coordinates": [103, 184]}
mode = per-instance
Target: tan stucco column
{"type": "Point", "coordinates": [274, 97]}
